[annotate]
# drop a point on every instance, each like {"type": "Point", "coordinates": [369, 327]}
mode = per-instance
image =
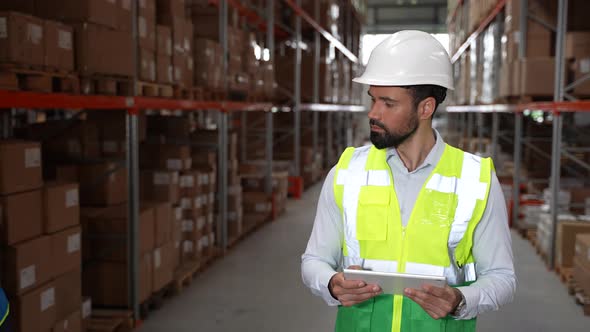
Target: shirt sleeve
{"type": "Point", "coordinates": [492, 251]}
{"type": "Point", "coordinates": [323, 254]}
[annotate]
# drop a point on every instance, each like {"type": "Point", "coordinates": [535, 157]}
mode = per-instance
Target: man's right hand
{"type": "Point", "coordinates": [351, 292]}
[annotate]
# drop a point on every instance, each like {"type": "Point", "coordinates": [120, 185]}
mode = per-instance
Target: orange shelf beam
{"type": "Point", "coordinates": [253, 17]}
{"type": "Point", "coordinates": [35, 100]}
{"type": "Point", "coordinates": [564, 106]}
{"type": "Point", "coordinates": [499, 7]}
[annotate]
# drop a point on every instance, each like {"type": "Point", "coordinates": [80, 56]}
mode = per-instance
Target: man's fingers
{"type": "Point", "coordinates": [432, 310]}
{"type": "Point", "coordinates": [352, 299]}
{"type": "Point", "coordinates": [359, 290]}
{"type": "Point", "coordinates": [436, 291]}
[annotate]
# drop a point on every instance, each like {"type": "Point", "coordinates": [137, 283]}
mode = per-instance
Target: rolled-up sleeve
{"type": "Point", "coordinates": [323, 254]}
{"type": "Point", "coordinates": [492, 251]}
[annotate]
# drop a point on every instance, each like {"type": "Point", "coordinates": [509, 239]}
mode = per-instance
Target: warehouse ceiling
{"type": "Point", "coordinates": [389, 16]}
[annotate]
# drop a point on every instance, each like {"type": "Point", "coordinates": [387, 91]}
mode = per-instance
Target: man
{"type": "Point", "coordinates": [409, 203]}
{"type": "Point", "coordinates": [5, 325]}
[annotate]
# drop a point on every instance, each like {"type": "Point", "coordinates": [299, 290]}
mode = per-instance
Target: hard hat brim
{"type": "Point", "coordinates": [405, 82]}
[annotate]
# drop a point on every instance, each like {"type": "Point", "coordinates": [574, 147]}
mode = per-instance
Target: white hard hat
{"type": "Point", "coordinates": [408, 57]}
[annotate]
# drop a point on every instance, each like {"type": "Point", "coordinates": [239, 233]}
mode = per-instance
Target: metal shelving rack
{"type": "Point", "coordinates": [135, 105]}
{"type": "Point", "coordinates": [556, 109]}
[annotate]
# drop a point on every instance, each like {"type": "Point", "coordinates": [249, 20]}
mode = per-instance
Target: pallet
{"type": "Point", "coordinates": [565, 273]}
{"type": "Point", "coordinates": [184, 276]}
{"type": "Point", "coordinates": [18, 77]}
{"type": "Point", "coordinates": [105, 320]}
{"type": "Point", "coordinates": [109, 85]}
{"type": "Point", "coordinates": [579, 296]}
{"type": "Point", "coordinates": [213, 94]}
{"type": "Point", "coordinates": [156, 300]}
{"type": "Point", "coordinates": [181, 92]}
{"type": "Point", "coordinates": [148, 89]}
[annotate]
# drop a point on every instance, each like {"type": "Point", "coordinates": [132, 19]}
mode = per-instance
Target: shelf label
{"type": "Point", "coordinates": [72, 198]}
{"type": "Point", "coordinates": [27, 276]}
{"type": "Point", "coordinates": [65, 40]}
{"type": "Point", "coordinates": [73, 243]}
{"type": "Point", "coordinates": [3, 28]}
{"type": "Point", "coordinates": [32, 158]}
{"type": "Point", "coordinates": [47, 299]}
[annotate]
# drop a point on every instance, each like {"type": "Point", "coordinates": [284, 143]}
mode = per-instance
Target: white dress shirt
{"type": "Point", "coordinates": [492, 244]}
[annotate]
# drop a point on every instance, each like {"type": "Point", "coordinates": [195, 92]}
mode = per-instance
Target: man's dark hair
{"type": "Point", "coordinates": [421, 92]}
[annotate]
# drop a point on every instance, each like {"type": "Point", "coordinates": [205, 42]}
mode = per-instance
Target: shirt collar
{"type": "Point", "coordinates": [433, 156]}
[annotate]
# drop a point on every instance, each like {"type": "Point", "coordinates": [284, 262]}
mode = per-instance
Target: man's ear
{"type": "Point", "coordinates": [427, 108]}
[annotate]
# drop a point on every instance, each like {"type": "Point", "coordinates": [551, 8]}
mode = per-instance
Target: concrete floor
{"type": "Point", "coordinates": [257, 287]}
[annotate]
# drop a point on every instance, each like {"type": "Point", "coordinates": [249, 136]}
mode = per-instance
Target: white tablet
{"type": "Point", "coordinates": [394, 283]}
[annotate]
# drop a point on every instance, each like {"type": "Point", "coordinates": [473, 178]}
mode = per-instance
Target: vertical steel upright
{"type": "Point", "coordinates": [479, 118]}
{"type": "Point", "coordinates": [243, 136]}
{"type": "Point", "coordinates": [133, 178]}
{"type": "Point", "coordinates": [316, 77]}
{"type": "Point", "coordinates": [349, 131]}
{"type": "Point", "coordinates": [222, 124]}
{"type": "Point", "coordinates": [297, 96]}
{"type": "Point", "coordinates": [518, 118]}
{"type": "Point", "coordinates": [270, 45]}
{"type": "Point", "coordinates": [495, 128]}
{"type": "Point", "coordinates": [557, 121]}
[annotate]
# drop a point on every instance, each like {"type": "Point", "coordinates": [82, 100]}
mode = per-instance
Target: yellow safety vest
{"type": "Point", "coordinates": [437, 239]}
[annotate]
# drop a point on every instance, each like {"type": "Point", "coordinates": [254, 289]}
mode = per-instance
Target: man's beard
{"type": "Point", "coordinates": [388, 139]}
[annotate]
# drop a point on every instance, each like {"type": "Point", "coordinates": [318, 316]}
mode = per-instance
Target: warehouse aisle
{"type": "Point", "coordinates": [258, 287]}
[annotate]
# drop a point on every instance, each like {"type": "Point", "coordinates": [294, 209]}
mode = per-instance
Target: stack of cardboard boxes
{"type": "Point", "coordinates": [581, 262]}
{"type": "Point", "coordinates": [172, 14]}
{"type": "Point", "coordinates": [32, 41]}
{"type": "Point", "coordinates": [577, 51]}
{"type": "Point", "coordinates": [204, 149]}
{"type": "Point", "coordinates": [147, 42]}
{"type": "Point", "coordinates": [41, 237]}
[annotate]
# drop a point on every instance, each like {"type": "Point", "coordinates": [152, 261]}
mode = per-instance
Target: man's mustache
{"type": "Point", "coordinates": [373, 122]}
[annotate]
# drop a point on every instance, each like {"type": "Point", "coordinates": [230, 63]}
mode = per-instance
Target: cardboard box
{"type": "Point", "coordinates": [577, 44]}
{"type": "Point", "coordinates": [165, 156]}
{"type": "Point", "coordinates": [100, 50]}
{"type": "Point", "coordinates": [256, 202]}
{"type": "Point", "coordinates": [537, 76]}
{"type": "Point", "coordinates": [146, 28]}
{"type": "Point", "coordinates": [23, 159]}
{"type": "Point", "coordinates": [107, 233]}
{"type": "Point", "coordinates": [190, 183]}
{"type": "Point", "coordinates": [206, 27]}
{"type": "Point", "coordinates": [61, 207]}
{"type": "Point", "coordinates": [147, 65]}
{"type": "Point", "coordinates": [66, 250]}
{"type": "Point", "coordinates": [170, 127]}
{"type": "Point", "coordinates": [68, 293]}
{"type": "Point", "coordinates": [164, 70]}
{"type": "Point", "coordinates": [581, 69]}
{"type": "Point", "coordinates": [21, 39]}
{"type": "Point", "coordinates": [163, 223]}
{"type": "Point", "coordinates": [27, 265]}
{"type": "Point", "coordinates": [169, 11]}
{"type": "Point", "coordinates": [72, 323]}
{"type": "Point", "coordinates": [162, 266]}
{"type": "Point", "coordinates": [164, 40]}
{"type": "Point", "coordinates": [583, 248]}
{"type": "Point", "coordinates": [160, 186]}
{"type": "Point", "coordinates": [103, 12]}
{"type": "Point", "coordinates": [566, 241]}
{"type": "Point", "coordinates": [103, 184]}
{"type": "Point", "coordinates": [21, 216]}
{"type": "Point", "coordinates": [21, 6]}
{"type": "Point", "coordinates": [67, 173]}
{"type": "Point", "coordinates": [106, 282]}
{"type": "Point", "coordinates": [124, 15]}
{"type": "Point", "coordinates": [35, 311]}
{"type": "Point", "coordinates": [59, 45]}
{"type": "Point", "coordinates": [581, 274]}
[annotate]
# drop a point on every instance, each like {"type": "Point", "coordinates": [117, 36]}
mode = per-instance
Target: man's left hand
{"type": "Point", "coordinates": [436, 301]}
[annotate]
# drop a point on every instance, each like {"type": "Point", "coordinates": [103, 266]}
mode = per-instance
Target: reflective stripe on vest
{"type": "Point", "coordinates": [4, 307]}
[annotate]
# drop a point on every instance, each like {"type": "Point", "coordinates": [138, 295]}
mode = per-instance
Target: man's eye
{"type": "Point", "coordinates": [389, 105]}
